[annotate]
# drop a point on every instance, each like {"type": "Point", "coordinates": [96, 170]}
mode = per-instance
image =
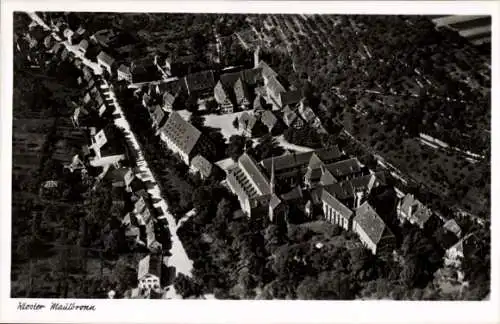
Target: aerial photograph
{"type": "Point", "coordinates": [251, 156]}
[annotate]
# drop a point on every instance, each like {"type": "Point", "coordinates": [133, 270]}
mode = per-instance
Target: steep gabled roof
{"type": "Point", "coordinates": [287, 160]}
{"type": "Point", "coordinates": [251, 168]}
{"type": "Point", "coordinates": [150, 264]}
{"type": "Point", "coordinates": [267, 72]}
{"type": "Point", "coordinates": [241, 91]}
{"type": "Point", "coordinates": [334, 203]}
{"type": "Point", "coordinates": [315, 162]}
{"type": "Point", "coordinates": [419, 213]}
{"type": "Point", "coordinates": [289, 116]}
{"type": "Point", "coordinates": [345, 167]}
{"type": "Point", "coordinates": [158, 115]}
{"type": "Point", "coordinates": [275, 86]}
{"type": "Point", "coordinates": [268, 119]}
{"type": "Point", "coordinates": [181, 132]}
{"type": "Point", "coordinates": [105, 58]}
{"type": "Point", "coordinates": [327, 178]}
{"type": "Point", "coordinates": [203, 165]}
{"type": "Point", "coordinates": [124, 69]}
{"type": "Point", "coordinates": [274, 202]}
{"type": "Point", "coordinates": [220, 93]}
{"type": "Point", "coordinates": [371, 223]}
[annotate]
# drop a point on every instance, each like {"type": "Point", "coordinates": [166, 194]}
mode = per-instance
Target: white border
{"type": "Point", "coordinates": [130, 311]}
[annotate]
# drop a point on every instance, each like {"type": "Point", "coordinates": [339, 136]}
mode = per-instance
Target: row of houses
{"type": "Point", "coordinates": [107, 157]}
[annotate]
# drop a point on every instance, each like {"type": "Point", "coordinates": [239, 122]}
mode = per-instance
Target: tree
{"type": "Point", "coordinates": [267, 147]}
{"type": "Point", "coordinates": [236, 146]}
{"type": "Point", "coordinates": [187, 287]}
{"type": "Point", "coordinates": [197, 121]}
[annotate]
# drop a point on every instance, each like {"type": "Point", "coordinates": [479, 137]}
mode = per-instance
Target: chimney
{"type": "Point", "coordinates": [256, 56]}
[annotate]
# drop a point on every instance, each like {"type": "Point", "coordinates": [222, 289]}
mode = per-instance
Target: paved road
{"type": "Point", "coordinates": [179, 258]}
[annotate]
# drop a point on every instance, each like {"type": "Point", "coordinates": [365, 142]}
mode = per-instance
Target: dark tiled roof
{"type": "Point", "coordinates": [251, 168]}
{"type": "Point", "coordinates": [199, 81]}
{"type": "Point", "coordinates": [286, 161]}
{"type": "Point", "coordinates": [181, 132]}
{"type": "Point", "coordinates": [344, 168]}
{"type": "Point", "coordinates": [367, 182]}
{"type": "Point", "coordinates": [329, 154]}
{"type": "Point", "coordinates": [333, 202]}
{"type": "Point", "coordinates": [371, 223]}
{"type": "Point", "coordinates": [290, 97]}
{"type": "Point", "coordinates": [294, 194]}
{"type": "Point", "coordinates": [117, 174]}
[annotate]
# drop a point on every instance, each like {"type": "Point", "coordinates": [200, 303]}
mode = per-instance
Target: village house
{"type": "Point", "coordinates": [106, 61]}
{"type": "Point", "coordinates": [234, 89]}
{"type": "Point", "coordinates": [184, 139]}
{"type": "Point", "coordinates": [202, 166]}
{"type": "Point", "coordinates": [124, 73]}
{"type": "Point", "coordinates": [103, 37]}
{"type": "Point", "coordinates": [222, 98]}
{"type": "Point", "coordinates": [269, 120]}
{"type": "Point", "coordinates": [68, 34]}
{"type": "Point", "coordinates": [107, 147]}
{"type": "Point", "coordinates": [372, 230]}
{"type": "Point", "coordinates": [144, 70]}
{"type": "Point", "coordinates": [149, 272]}
{"type": "Point", "coordinates": [412, 210]}
{"type": "Point", "coordinates": [83, 46]}
{"type": "Point", "coordinates": [157, 115]}
{"type": "Point", "coordinates": [120, 177]}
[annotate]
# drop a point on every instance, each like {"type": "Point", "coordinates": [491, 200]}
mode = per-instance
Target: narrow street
{"type": "Point", "coordinates": [178, 258]}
